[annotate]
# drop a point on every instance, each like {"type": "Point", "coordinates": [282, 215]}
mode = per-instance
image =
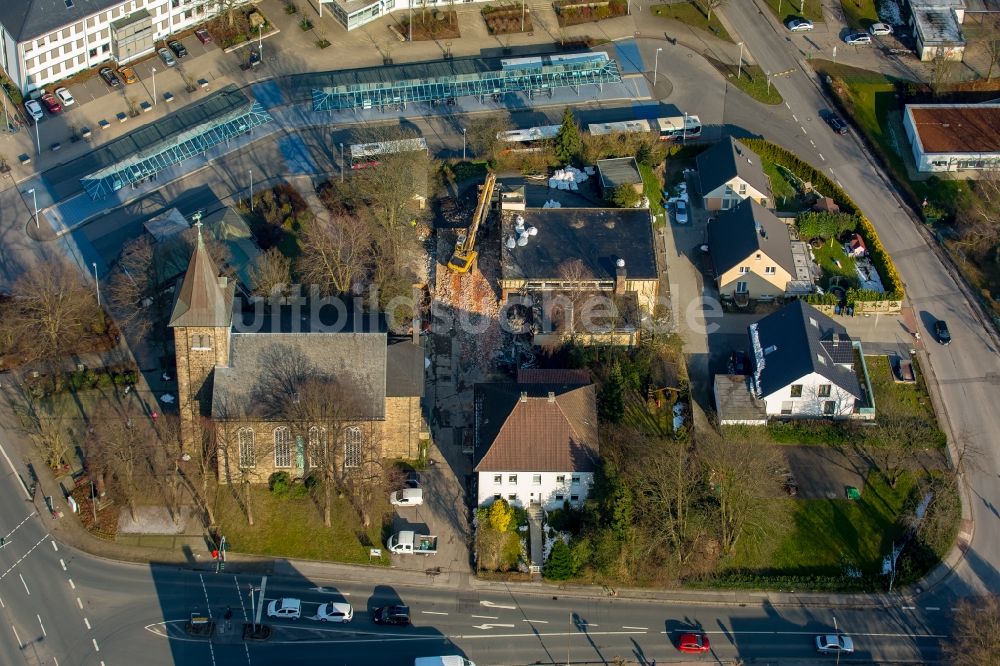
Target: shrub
{"type": "Point", "coordinates": [824, 225]}
{"type": "Point", "coordinates": [560, 564]}
{"type": "Point", "coordinates": [625, 196]}
{"type": "Point", "coordinates": [279, 483]}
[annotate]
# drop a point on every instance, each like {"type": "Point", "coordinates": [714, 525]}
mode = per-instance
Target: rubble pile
{"type": "Point", "coordinates": [567, 179]}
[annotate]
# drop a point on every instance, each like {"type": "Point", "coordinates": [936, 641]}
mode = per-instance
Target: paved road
{"type": "Point", "coordinates": [965, 371]}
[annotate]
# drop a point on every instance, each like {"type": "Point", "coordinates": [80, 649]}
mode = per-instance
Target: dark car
{"type": "Point", "coordinates": [110, 77]}
{"type": "Point", "coordinates": [178, 49]}
{"type": "Point", "coordinates": [203, 35]}
{"type": "Point", "coordinates": [941, 332]}
{"type": "Point", "coordinates": [413, 479]}
{"type": "Point", "coordinates": [254, 58]}
{"type": "Point", "coordinates": [837, 123]}
{"type": "Point", "coordinates": [738, 363]}
{"type": "Point", "coordinates": [693, 643]}
{"type": "Point", "coordinates": [398, 615]}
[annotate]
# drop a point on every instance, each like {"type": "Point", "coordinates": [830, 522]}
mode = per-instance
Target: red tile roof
{"type": "Point", "coordinates": [965, 128]}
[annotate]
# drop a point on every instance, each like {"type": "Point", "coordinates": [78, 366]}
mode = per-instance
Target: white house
{"type": "Point", "coordinates": [356, 13]}
{"type": "Point", "coordinates": [728, 173]}
{"type": "Point", "coordinates": [535, 441]}
{"type": "Point", "coordinates": [804, 366]}
{"type": "Point", "coordinates": [45, 41]}
{"type": "Point", "coordinates": [937, 27]}
{"type": "Point", "coordinates": [953, 137]}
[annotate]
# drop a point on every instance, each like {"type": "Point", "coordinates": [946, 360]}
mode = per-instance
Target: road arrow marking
{"type": "Point", "coordinates": [492, 626]}
{"type": "Point", "coordinates": [490, 604]}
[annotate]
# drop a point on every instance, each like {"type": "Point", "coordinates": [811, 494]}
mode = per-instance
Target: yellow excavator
{"type": "Point", "coordinates": [465, 249]}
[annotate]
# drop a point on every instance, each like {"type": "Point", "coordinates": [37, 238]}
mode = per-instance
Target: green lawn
{"type": "Point", "coordinates": [752, 80]}
{"type": "Point", "coordinates": [906, 401]}
{"type": "Point", "coordinates": [293, 527]}
{"type": "Point", "coordinates": [692, 14]}
{"type": "Point", "coordinates": [654, 192]}
{"type": "Point", "coordinates": [859, 13]}
{"type": "Point", "coordinates": [781, 187]}
{"type": "Point", "coordinates": [786, 9]}
{"type": "Point", "coordinates": [822, 537]}
{"type": "Point", "coordinates": [831, 258]}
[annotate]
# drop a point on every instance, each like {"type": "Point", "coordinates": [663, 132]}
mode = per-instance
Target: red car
{"type": "Point", "coordinates": [694, 643]}
{"type": "Point", "coordinates": [203, 35]}
{"type": "Point", "coordinates": [52, 104]}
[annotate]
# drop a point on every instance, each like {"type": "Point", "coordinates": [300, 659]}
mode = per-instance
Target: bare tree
{"type": "Point", "coordinates": [271, 274]}
{"type": "Point", "coordinates": [389, 187]}
{"type": "Point", "coordinates": [121, 444]}
{"type": "Point", "coordinates": [239, 448]}
{"type": "Point", "coordinates": [133, 289]}
{"type": "Point", "coordinates": [942, 72]}
{"type": "Point", "coordinates": [975, 639]}
{"type": "Point", "coordinates": [336, 252]}
{"type": "Point", "coordinates": [710, 5]}
{"type": "Point", "coordinates": [483, 130]}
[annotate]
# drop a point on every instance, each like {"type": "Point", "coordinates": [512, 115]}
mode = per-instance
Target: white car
{"type": "Point", "coordinates": [681, 211]}
{"type": "Point", "coordinates": [407, 497]}
{"type": "Point", "coordinates": [34, 109]}
{"type": "Point", "coordinates": [335, 612]}
{"type": "Point", "coordinates": [799, 25]}
{"type": "Point", "coordinates": [65, 96]}
{"type": "Point", "coordinates": [167, 57]}
{"type": "Point", "coordinates": [287, 608]}
{"type": "Point", "coordinates": [880, 29]}
{"type": "Point", "coordinates": [834, 644]}
{"type": "Point", "coordinates": [858, 38]}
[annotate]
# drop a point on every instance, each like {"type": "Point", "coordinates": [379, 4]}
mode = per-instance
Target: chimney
{"type": "Point", "coordinates": [552, 396]}
{"type": "Point", "coordinates": [836, 339]}
{"type": "Point", "coordinates": [524, 396]}
{"type": "Point", "coordinates": [620, 278]}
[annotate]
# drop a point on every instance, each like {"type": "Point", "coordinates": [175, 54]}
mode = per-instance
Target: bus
{"type": "Point", "coordinates": [679, 127]}
{"type": "Point", "coordinates": [364, 155]}
{"type": "Point", "coordinates": [526, 140]}
{"type": "Point", "coordinates": [623, 127]}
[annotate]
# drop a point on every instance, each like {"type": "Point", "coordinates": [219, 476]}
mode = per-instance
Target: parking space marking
{"type": "Point", "coordinates": [821, 157]}
{"type": "Point", "coordinates": [433, 613]}
{"type": "Point", "coordinates": [24, 583]}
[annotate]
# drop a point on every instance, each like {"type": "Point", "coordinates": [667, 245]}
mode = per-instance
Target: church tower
{"type": "Point", "coordinates": [202, 320]}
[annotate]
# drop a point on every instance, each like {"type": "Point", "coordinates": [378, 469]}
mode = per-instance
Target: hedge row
{"type": "Point", "coordinates": [880, 258]}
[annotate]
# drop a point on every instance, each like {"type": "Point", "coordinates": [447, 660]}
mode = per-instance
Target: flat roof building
{"type": "Point", "coordinates": [937, 27]}
{"type": "Point", "coordinates": [953, 137]}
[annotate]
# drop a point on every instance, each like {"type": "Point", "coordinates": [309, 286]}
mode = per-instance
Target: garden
{"type": "Point", "coordinates": [506, 19]}
{"type": "Point", "coordinates": [277, 219]}
{"type": "Point", "coordinates": [238, 26]}
{"type": "Point", "coordinates": [575, 12]}
{"type": "Point", "coordinates": [430, 24]}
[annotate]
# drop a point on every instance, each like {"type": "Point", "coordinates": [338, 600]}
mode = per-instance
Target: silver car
{"type": "Point", "coordinates": [834, 644]}
{"type": "Point", "coordinates": [167, 57]}
{"type": "Point", "coordinates": [799, 25]}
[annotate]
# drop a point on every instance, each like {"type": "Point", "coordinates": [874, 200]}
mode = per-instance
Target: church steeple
{"type": "Point", "coordinates": [204, 299]}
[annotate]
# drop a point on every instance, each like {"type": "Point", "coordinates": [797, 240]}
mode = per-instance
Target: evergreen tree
{"type": "Point", "coordinates": [560, 565]}
{"type": "Point", "coordinates": [569, 144]}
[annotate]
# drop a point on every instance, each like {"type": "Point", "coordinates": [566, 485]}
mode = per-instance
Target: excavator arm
{"type": "Point", "coordinates": [465, 249]}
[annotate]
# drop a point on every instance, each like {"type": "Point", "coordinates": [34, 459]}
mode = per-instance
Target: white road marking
{"type": "Point", "coordinates": [490, 604]}
{"type": "Point", "coordinates": [19, 643]}
{"type": "Point", "coordinates": [840, 185]}
{"type": "Point", "coordinates": [63, 564]}
{"type": "Point", "coordinates": [205, 590]}
{"type": "Point", "coordinates": [240, 597]}
{"type": "Point", "coordinates": [813, 633]}
{"type": "Point", "coordinates": [40, 624]}
{"type": "Point", "coordinates": [485, 617]}
{"type": "Point", "coordinates": [536, 621]}
{"type": "Point", "coordinates": [25, 584]}
{"type": "Point", "coordinates": [795, 118]}
{"type": "Point", "coordinates": [79, 603]}
{"type": "Point", "coordinates": [54, 546]}
{"type": "Point", "coordinates": [71, 584]}
{"type": "Point", "coordinates": [484, 627]}
{"type": "Point", "coordinates": [432, 613]}
{"type": "Point", "coordinates": [803, 129]}
{"type": "Point", "coordinates": [933, 608]}
{"type": "Point", "coordinates": [24, 488]}
{"type": "Point", "coordinates": [788, 107]}
{"type": "Point", "coordinates": [94, 641]}
{"type": "Point", "coordinates": [18, 526]}
{"type": "Point", "coordinates": [812, 143]}
{"type": "Point", "coordinates": [821, 157]}
{"type": "Point", "coordinates": [21, 559]}
{"type": "Point", "coordinates": [642, 628]}
{"type": "Point", "coordinates": [3, 605]}
{"type": "Point", "coordinates": [86, 622]}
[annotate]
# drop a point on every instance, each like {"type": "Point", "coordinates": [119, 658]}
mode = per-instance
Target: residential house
{"type": "Point", "coordinates": [535, 440]}
{"type": "Point", "coordinates": [617, 172]}
{"type": "Point", "coordinates": [45, 41]}
{"type": "Point", "coordinates": [805, 365]}
{"type": "Point", "coordinates": [728, 173]}
{"type": "Point", "coordinates": [937, 28]}
{"type": "Point", "coordinates": [752, 255]}
{"type": "Point", "coordinates": [227, 370]}
{"type": "Point", "coordinates": [953, 137]}
{"type": "Point", "coordinates": [592, 272]}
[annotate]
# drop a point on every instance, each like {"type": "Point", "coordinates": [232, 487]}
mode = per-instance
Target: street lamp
{"type": "Point", "coordinates": [38, 141]}
{"type": "Point", "coordinates": [97, 284]}
{"type": "Point", "coordinates": [154, 86]}
{"type": "Point", "coordinates": [739, 67]}
{"type": "Point", "coordinates": [656, 63]}
{"type": "Point", "coordinates": [463, 144]}
{"type": "Point", "coordinates": [768, 75]}
{"type": "Point", "coordinates": [34, 200]}
{"type": "Point", "coordinates": [341, 161]}
{"type": "Point", "coordinates": [260, 41]}
{"type": "Point", "coordinates": [250, 171]}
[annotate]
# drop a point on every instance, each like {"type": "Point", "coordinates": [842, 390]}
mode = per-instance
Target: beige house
{"type": "Point", "coordinates": [728, 173]}
{"type": "Point", "coordinates": [751, 253]}
{"type": "Point", "coordinates": [365, 388]}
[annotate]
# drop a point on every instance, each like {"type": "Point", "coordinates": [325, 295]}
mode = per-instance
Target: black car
{"type": "Point", "coordinates": [738, 363]}
{"type": "Point", "coordinates": [837, 124]}
{"type": "Point", "coordinates": [941, 332]}
{"type": "Point", "coordinates": [110, 77]}
{"type": "Point", "coordinates": [398, 615]}
{"type": "Point", "coordinates": [413, 479]}
{"type": "Point", "coordinates": [178, 49]}
{"type": "Point", "coordinates": [254, 58]}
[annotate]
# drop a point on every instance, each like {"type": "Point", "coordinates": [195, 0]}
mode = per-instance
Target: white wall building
{"type": "Point", "coordinates": [953, 137]}
{"type": "Point", "coordinates": [535, 441]}
{"type": "Point", "coordinates": [356, 13]}
{"type": "Point", "coordinates": [45, 41]}
{"type": "Point", "coordinates": [937, 27]}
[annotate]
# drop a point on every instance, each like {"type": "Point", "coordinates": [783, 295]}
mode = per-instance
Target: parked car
{"type": "Point", "coordinates": [128, 75]}
{"type": "Point", "coordinates": [799, 25]}
{"type": "Point", "coordinates": [51, 104]}
{"type": "Point", "coordinates": [178, 49]}
{"type": "Point", "coordinates": [836, 123]}
{"type": "Point", "coordinates": [110, 77]}
{"type": "Point", "coordinates": [880, 29]}
{"type": "Point", "coordinates": [738, 363]}
{"type": "Point", "coordinates": [407, 497]}
{"type": "Point", "coordinates": [398, 615]}
{"type": "Point", "coordinates": [34, 109]}
{"type": "Point", "coordinates": [693, 643]}
{"type": "Point", "coordinates": [286, 607]}
{"type": "Point", "coordinates": [834, 643]}
{"type": "Point", "coordinates": [941, 332]}
{"type": "Point", "coordinates": [413, 479]}
{"type": "Point", "coordinates": [65, 96]}
{"type": "Point", "coordinates": [681, 211]}
{"type": "Point", "coordinates": [334, 611]}
{"type": "Point", "coordinates": [858, 38]}
{"type": "Point", "coordinates": [203, 36]}
{"type": "Point", "coordinates": [167, 57]}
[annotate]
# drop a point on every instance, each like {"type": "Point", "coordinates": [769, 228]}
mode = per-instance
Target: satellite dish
{"type": "Point", "coordinates": [532, 231]}
{"type": "Point", "coordinates": [620, 263]}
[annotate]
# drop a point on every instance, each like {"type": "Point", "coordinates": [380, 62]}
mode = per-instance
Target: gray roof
{"type": "Point", "coordinates": [259, 362]}
{"type": "Point", "coordinates": [204, 298]}
{"type": "Point", "coordinates": [27, 19]}
{"type": "Point", "coordinates": [596, 236]}
{"type": "Point", "coordinates": [725, 160]}
{"type": "Point", "coordinates": [404, 370]}
{"type": "Point", "coordinates": [749, 227]}
{"type": "Point", "coordinates": [618, 171]}
{"type": "Point", "coordinates": [734, 403]}
{"type": "Point", "coordinates": [792, 342]}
